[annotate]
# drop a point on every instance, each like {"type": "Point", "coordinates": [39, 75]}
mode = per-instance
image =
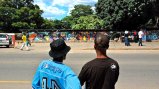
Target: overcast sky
{"type": "Point", "coordinates": [58, 9]}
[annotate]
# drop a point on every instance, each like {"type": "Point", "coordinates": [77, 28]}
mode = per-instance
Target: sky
{"type": "Point", "coordinates": [58, 9]}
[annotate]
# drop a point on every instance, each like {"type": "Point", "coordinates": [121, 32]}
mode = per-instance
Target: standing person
{"type": "Point", "coordinates": [135, 36]}
{"type": "Point", "coordinates": [102, 72]}
{"type": "Point", "coordinates": [140, 34]}
{"type": "Point", "coordinates": [24, 39]}
{"type": "Point", "coordinates": [27, 39]}
{"type": "Point", "coordinates": [126, 35]}
{"type": "Point", "coordinates": [53, 74]}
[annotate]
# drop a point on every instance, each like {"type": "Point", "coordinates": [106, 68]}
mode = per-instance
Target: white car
{"type": "Point", "coordinates": [4, 40]}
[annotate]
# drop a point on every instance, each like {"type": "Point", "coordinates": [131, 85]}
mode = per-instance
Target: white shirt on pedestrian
{"type": "Point", "coordinates": [126, 32]}
{"type": "Point", "coordinates": [140, 33]}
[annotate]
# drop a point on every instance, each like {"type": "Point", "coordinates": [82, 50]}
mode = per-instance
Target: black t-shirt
{"type": "Point", "coordinates": [100, 74]}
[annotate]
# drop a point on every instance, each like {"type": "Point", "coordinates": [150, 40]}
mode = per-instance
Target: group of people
{"type": "Point", "coordinates": [136, 35]}
{"type": "Point", "coordinates": [73, 36]}
{"type": "Point", "coordinates": [99, 73]}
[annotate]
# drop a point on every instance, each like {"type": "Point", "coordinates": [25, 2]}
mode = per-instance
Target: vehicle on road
{"type": "Point", "coordinates": [4, 40]}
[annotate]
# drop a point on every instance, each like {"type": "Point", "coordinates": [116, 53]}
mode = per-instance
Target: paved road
{"type": "Point", "coordinates": [139, 69]}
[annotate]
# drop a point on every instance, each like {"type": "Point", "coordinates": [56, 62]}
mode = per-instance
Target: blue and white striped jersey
{"type": "Point", "coordinates": [55, 75]}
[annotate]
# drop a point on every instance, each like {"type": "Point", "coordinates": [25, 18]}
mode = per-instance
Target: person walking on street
{"type": "Point", "coordinates": [24, 39]}
{"type": "Point", "coordinates": [101, 72]}
{"type": "Point", "coordinates": [53, 74]}
{"type": "Point", "coordinates": [140, 34]}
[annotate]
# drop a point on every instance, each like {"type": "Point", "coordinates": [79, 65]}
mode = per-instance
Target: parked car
{"type": "Point", "coordinates": [4, 40]}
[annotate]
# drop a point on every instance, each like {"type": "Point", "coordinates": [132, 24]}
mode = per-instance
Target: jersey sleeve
{"type": "Point", "coordinates": [36, 78]}
{"type": "Point", "coordinates": [112, 76]}
{"type": "Point", "coordinates": [72, 80]}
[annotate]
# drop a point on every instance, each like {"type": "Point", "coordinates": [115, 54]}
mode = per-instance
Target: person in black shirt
{"type": "Point", "coordinates": [102, 72]}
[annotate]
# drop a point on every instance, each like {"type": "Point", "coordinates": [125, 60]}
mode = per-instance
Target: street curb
{"type": "Point", "coordinates": [126, 49]}
{"type": "Point", "coordinates": [134, 49]}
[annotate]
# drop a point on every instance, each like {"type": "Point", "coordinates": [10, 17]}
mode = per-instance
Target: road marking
{"type": "Point", "coordinates": [19, 82]}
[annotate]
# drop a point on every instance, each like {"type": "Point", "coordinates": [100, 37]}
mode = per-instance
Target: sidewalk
{"type": "Point", "coordinates": [134, 46]}
{"type": "Point", "coordinates": [116, 46]}
{"type": "Point", "coordinates": [90, 46]}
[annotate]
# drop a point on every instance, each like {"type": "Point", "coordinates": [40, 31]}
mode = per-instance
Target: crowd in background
{"type": "Point", "coordinates": [89, 36]}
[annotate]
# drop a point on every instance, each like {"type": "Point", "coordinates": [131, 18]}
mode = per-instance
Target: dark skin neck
{"type": "Point", "coordinates": [56, 60]}
{"type": "Point", "coordinates": [101, 54]}
{"type": "Point", "coordinates": [60, 59]}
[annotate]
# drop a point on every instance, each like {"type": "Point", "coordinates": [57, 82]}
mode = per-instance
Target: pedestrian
{"type": "Point", "coordinates": [24, 44]}
{"type": "Point", "coordinates": [27, 39]}
{"type": "Point", "coordinates": [101, 72]}
{"type": "Point", "coordinates": [140, 34]}
{"type": "Point", "coordinates": [53, 74]}
{"type": "Point", "coordinates": [126, 35]}
{"type": "Point", "coordinates": [135, 36]}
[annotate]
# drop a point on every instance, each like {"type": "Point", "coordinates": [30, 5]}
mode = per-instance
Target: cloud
{"type": "Point", "coordinates": [93, 8]}
{"type": "Point", "coordinates": [57, 8]}
{"type": "Point", "coordinates": [70, 3]}
{"type": "Point", "coordinates": [85, 2]}
{"type": "Point", "coordinates": [64, 3]}
{"type": "Point", "coordinates": [49, 8]}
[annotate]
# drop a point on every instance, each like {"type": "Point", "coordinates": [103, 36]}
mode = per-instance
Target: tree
{"type": "Point", "coordinates": [155, 9]}
{"type": "Point", "coordinates": [48, 24]}
{"type": "Point", "coordinates": [57, 24]}
{"type": "Point", "coordinates": [124, 14]}
{"type": "Point", "coordinates": [81, 10]}
{"type": "Point", "coordinates": [80, 19]}
{"type": "Point", "coordinates": [67, 22]}
{"type": "Point", "coordinates": [88, 22]}
{"type": "Point", "coordinates": [19, 14]}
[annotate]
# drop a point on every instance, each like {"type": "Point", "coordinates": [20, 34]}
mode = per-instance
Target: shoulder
{"type": "Point", "coordinates": [113, 64]}
{"type": "Point", "coordinates": [89, 64]}
{"type": "Point", "coordinates": [69, 71]}
{"type": "Point", "coordinates": [113, 61]}
{"type": "Point", "coordinates": [44, 63]}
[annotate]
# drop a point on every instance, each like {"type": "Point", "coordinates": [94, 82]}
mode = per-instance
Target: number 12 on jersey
{"type": "Point", "coordinates": [53, 85]}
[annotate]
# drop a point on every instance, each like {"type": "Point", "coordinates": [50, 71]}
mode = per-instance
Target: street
{"type": "Point", "coordinates": [139, 69]}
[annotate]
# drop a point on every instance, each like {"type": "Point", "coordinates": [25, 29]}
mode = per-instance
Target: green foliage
{"type": "Point", "coordinates": [67, 22]}
{"type": "Point", "coordinates": [20, 25]}
{"type": "Point", "coordinates": [57, 24]}
{"type": "Point", "coordinates": [19, 14]}
{"type": "Point", "coordinates": [81, 10]}
{"type": "Point", "coordinates": [124, 14]}
{"type": "Point", "coordinates": [155, 9]}
{"type": "Point", "coordinates": [48, 24]}
{"type": "Point", "coordinates": [88, 22]}
{"type": "Point", "coordinates": [82, 18]}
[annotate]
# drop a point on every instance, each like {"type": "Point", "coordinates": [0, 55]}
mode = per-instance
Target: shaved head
{"type": "Point", "coordinates": [101, 41]}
